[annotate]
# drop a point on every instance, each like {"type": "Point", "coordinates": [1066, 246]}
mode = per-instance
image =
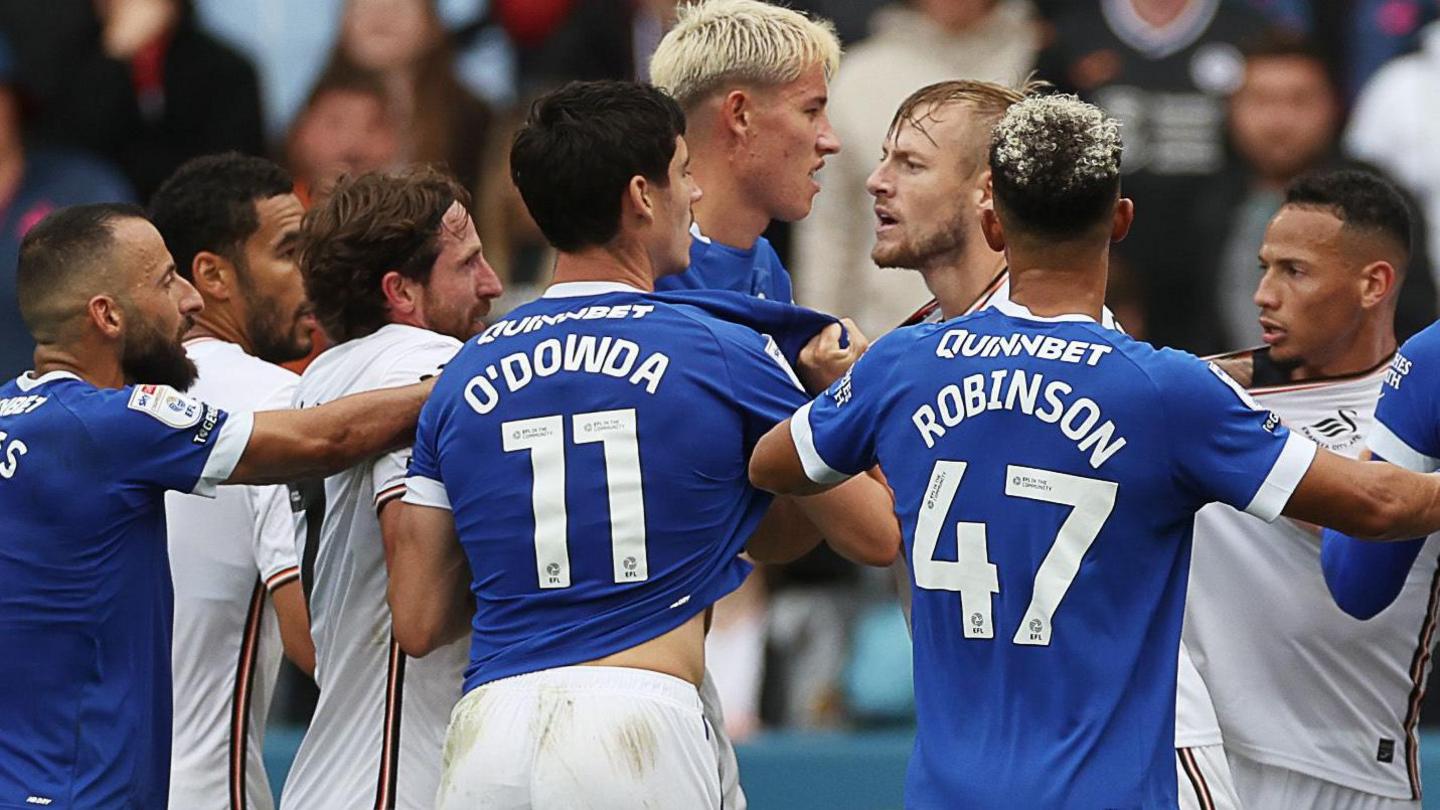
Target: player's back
{"type": "Point", "coordinates": [1046, 474]}
{"type": "Point", "coordinates": [593, 449]}
{"type": "Point", "coordinates": [85, 596]}
{"type": "Point", "coordinates": [354, 754]}
{"type": "Point", "coordinates": [226, 554]}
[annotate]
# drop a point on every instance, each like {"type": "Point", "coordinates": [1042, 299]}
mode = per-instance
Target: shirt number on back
{"type": "Point", "coordinates": [544, 437]}
{"type": "Point", "coordinates": [976, 579]}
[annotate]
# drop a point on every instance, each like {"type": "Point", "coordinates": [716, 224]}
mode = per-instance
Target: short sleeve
{"type": "Point", "coordinates": [274, 539]}
{"type": "Point", "coordinates": [835, 433]}
{"type": "Point", "coordinates": [159, 437]}
{"type": "Point", "coordinates": [764, 388]}
{"type": "Point", "coordinates": [1407, 417]}
{"type": "Point", "coordinates": [419, 363]}
{"type": "Point", "coordinates": [1224, 446]}
{"type": "Point", "coordinates": [423, 484]}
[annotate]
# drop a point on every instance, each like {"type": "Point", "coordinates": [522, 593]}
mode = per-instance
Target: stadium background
{"type": "Point", "coordinates": [101, 99]}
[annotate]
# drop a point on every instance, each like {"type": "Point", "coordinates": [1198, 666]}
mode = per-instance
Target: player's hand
{"type": "Point", "coordinates": [132, 24]}
{"type": "Point", "coordinates": [823, 360]}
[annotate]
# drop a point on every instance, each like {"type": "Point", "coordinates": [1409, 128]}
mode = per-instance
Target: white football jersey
{"type": "Point", "coordinates": [378, 729]}
{"type": "Point", "coordinates": [226, 555]}
{"type": "Point", "coordinates": [1296, 683]}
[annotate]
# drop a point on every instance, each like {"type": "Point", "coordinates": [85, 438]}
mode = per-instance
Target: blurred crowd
{"type": "Point", "coordinates": [1223, 103]}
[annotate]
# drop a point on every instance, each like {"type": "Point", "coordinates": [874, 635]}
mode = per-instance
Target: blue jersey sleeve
{"type": "Point", "coordinates": [835, 433]}
{"type": "Point", "coordinates": [1407, 417]}
{"type": "Point", "coordinates": [158, 437]}
{"type": "Point", "coordinates": [423, 484]}
{"type": "Point", "coordinates": [1225, 447]}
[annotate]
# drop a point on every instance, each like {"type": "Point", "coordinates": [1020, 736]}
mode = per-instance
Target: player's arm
{"type": "Point", "coordinates": [429, 593]}
{"type": "Point", "coordinates": [313, 442]}
{"type": "Point", "coordinates": [1365, 499]}
{"type": "Point", "coordinates": [856, 518]}
{"type": "Point", "coordinates": [289, 601]}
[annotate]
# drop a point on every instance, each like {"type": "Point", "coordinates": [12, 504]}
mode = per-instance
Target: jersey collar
{"type": "Point", "coordinates": [579, 289]}
{"type": "Point", "coordinates": [28, 381]}
{"type": "Point", "coordinates": [1015, 310]}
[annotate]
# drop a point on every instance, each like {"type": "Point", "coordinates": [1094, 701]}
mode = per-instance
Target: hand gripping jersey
{"type": "Point", "coordinates": [85, 597]}
{"type": "Point", "coordinates": [593, 448]}
{"type": "Point", "coordinates": [226, 555]}
{"type": "Point", "coordinates": [757, 272]}
{"type": "Point", "coordinates": [376, 736]}
{"type": "Point", "coordinates": [1046, 474]}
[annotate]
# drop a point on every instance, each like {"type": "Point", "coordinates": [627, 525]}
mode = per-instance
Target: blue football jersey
{"type": "Point", "coordinates": [756, 272]}
{"type": "Point", "coordinates": [593, 448]}
{"type": "Point", "coordinates": [85, 595]}
{"type": "Point", "coordinates": [1046, 475]}
{"type": "Point", "coordinates": [1407, 417]}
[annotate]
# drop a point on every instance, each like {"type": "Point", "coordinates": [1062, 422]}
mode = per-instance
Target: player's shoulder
{"type": "Point", "coordinates": [1423, 346]}
{"type": "Point", "coordinates": [229, 368]}
{"type": "Point", "coordinates": [1237, 365]}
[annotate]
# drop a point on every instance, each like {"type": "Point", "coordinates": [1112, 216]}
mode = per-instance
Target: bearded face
{"type": "Point", "coordinates": [151, 356]}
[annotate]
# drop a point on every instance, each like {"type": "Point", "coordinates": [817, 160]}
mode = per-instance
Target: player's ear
{"type": "Point", "coordinates": [637, 199]}
{"type": "Point", "coordinates": [991, 228]}
{"type": "Point", "coordinates": [1377, 281]}
{"type": "Point", "coordinates": [106, 315]}
{"type": "Point", "coordinates": [736, 110]}
{"type": "Point", "coordinates": [213, 275]}
{"type": "Point", "coordinates": [402, 294]}
{"type": "Point", "coordinates": [1124, 218]}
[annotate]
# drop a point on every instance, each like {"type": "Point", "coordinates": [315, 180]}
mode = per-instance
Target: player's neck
{"type": "Point", "coordinates": [220, 327]}
{"type": "Point", "coordinates": [1372, 345]}
{"type": "Point", "coordinates": [1052, 283]}
{"type": "Point", "coordinates": [623, 264]}
{"type": "Point", "coordinates": [93, 364]}
{"type": "Point", "coordinates": [958, 282]}
{"type": "Point", "coordinates": [725, 214]}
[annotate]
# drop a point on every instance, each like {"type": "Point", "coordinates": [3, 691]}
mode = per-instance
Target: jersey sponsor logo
{"type": "Point", "coordinates": [962, 343]}
{"type": "Point", "coordinates": [1399, 369]}
{"type": "Point", "coordinates": [531, 323]}
{"type": "Point", "coordinates": [14, 406]}
{"type": "Point", "coordinates": [167, 405]}
{"type": "Point", "coordinates": [207, 424]}
{"type": "Point", "coordinates": [10, 453]}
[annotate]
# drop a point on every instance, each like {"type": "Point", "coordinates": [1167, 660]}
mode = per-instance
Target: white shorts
{"type": "Point", "coordinates": [1263, 786]}
{"type": "Point", "coordinates": [573, 737]}
{"type": "Point", "coordinates": [1205, 779]}
{"type": "Point", "coordinates": [732, 796]}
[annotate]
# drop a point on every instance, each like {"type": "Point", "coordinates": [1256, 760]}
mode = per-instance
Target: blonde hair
{"type": "Point", "coordinates": [720, 42]}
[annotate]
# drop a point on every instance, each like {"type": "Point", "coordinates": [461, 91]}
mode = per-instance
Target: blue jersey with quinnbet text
{"type": "Point", "coordinates": [85, 596]}
{"type": "Point", "coordinates": [1046, 475]}
{"type": "Point", "coordinates": [593, 448]}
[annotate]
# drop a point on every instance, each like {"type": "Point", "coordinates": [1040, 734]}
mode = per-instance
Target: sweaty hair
{"type": "Point", "coordinates": [65, 255]}
{"type": "Point", "coordinates": [208, 204]}
{"type": "Point", "coordinates": [987, 100]}
{"type": "Point", "coordinates": [1362, 200]}
{"type": "Point", "coordinates": [1055, 165]}
{"type": "Point", "coordinates": [370, 225]}
{"type": "Point", "coordinates": [577, 152]}
{"type": "Point", "coordinates": [716, 43]}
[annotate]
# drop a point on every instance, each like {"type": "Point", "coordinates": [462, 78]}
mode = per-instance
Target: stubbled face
{"type": "Point", "coordinates": [1284, 117]}
{"type": "Point", "coordinates": [670, 248]}
{"type": "Point", "coordinates": [343, 132]}
{"type": "Point", "coordinates": [279, 318]}
{"type": "Point", "coordinates": [1310, 291]}
{"type": "Point", "coordinates": [927, 189]}
{"type": "Point", "coordinates": [387, 34]}
{"type": "Point", "coordinates": [792, 137]}
{"type": "Point", "coordinates": [457, 296]}
{"type": "Point", "coordinates": [159, 307]}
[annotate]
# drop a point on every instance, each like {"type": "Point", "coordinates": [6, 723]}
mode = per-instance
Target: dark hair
{"type": "Point", "coordinates": [370, 225]}
{"type": "Point", "coordinates": [208, 204]}
{"type": "Point", "coordinates": [1360, 199]}
{"type": "Point", "coordinates": [579, 149]}
{"type": "Point", "coordinates": [1055, 165]}
{"type": "Point", "coordinates": [1283, 44]}
{"type": "Point", "coordinates": [67, 247]}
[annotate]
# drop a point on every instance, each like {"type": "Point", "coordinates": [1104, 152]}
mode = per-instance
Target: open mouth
{"type": "Point", "coordinates": [884, 220]}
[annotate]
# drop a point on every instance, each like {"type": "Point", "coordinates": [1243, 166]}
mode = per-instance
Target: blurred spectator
{"type": "Point", "coordinates": [346, 127]}
{"type": "Point", "coordinates": [1355, 36]}
{"type": "Point", "coordinates": [915, 43]}
{"type": "Point", "coordinates": [560, 40]}
{"type": "Point", "coordinates": [34, 182]}
{"type": "Point", "coordinates": [1164, 68]}
{"type": "Point", "coordinates": [1396, 124]}
{"type": "Point", "coordinates": [1284, 121]}
{"type": "Point", "coordinates": [404, 42]}
{"type": "Point", "coordinates": [154, 90]}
